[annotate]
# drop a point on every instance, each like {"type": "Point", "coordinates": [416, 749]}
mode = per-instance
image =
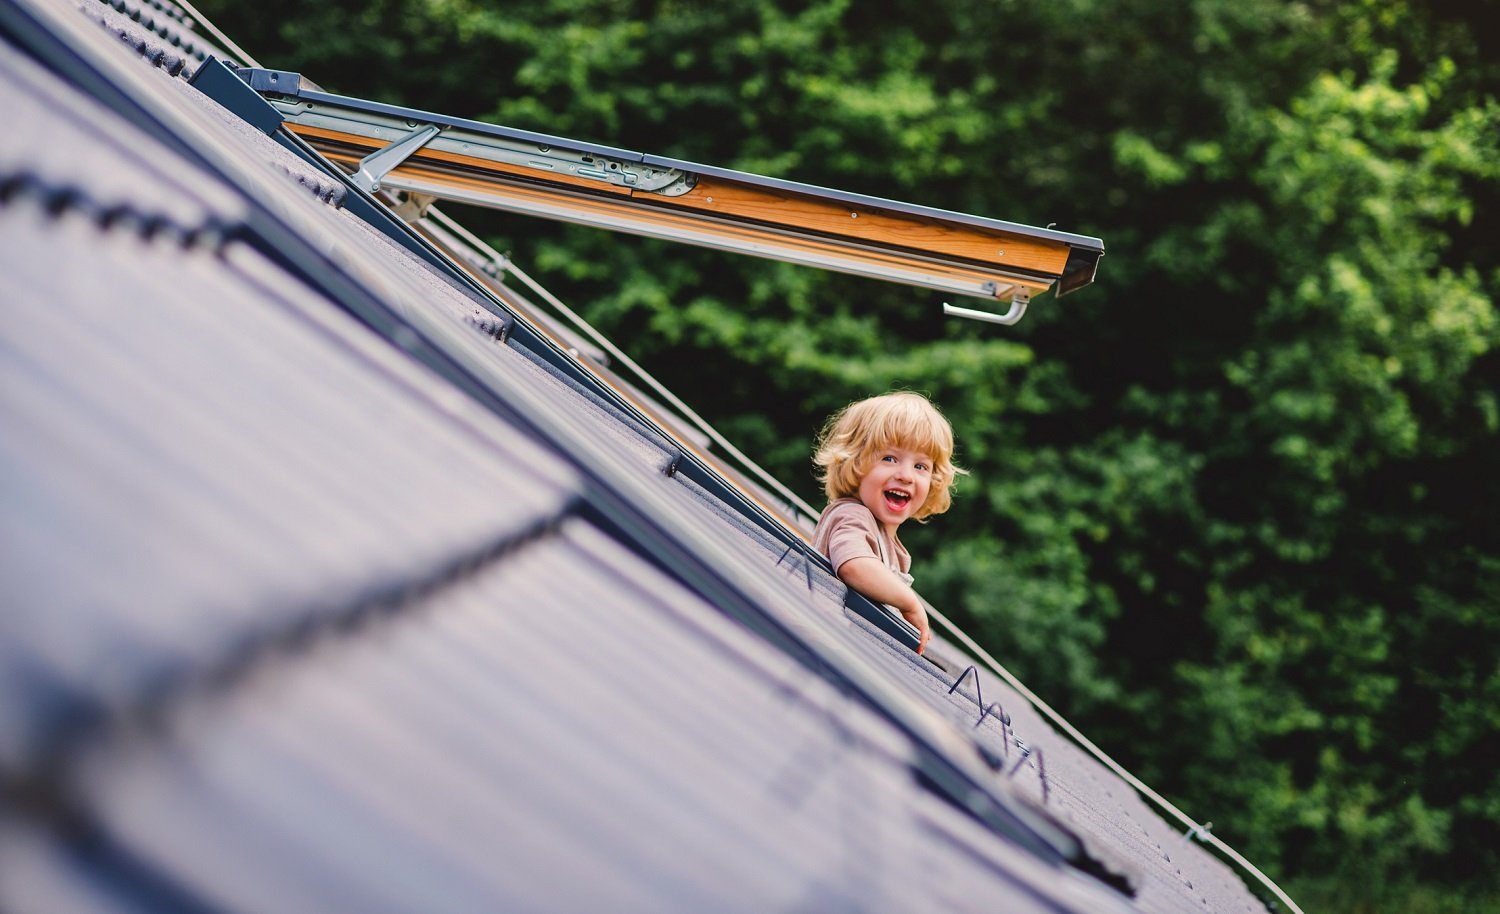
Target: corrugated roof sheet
{"type": "Point", "coordinates": [326, 598]}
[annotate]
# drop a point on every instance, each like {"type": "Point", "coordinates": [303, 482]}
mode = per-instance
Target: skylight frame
{"type": "Point", "coordinates": [629, 191]}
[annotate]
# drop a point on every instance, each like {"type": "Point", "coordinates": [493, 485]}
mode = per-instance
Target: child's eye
{"type": "Point", "coordinates": [889, 458]}
{"type": "Point", "coordinates": [923, 467]}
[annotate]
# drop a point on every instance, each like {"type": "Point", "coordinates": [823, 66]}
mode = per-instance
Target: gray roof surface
{"type": "Point", "coordinates": [323, 598]}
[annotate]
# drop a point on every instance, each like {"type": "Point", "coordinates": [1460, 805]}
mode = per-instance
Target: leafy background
{"type": "Point", "coordinates": [1234, 507]}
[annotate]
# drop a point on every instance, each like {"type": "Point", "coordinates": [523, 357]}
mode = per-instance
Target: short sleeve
{"type": "Point", "coordinates": [848, 532]}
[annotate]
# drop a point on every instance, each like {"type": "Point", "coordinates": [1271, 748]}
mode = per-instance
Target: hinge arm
{"type": "Point", "coordinates": [378, 164]}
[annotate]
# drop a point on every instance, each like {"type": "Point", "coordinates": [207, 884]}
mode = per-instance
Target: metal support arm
{"type": "Point", "coordinates": [1018, 303]}
{"type": "Point", "coordinates": [378, 164]}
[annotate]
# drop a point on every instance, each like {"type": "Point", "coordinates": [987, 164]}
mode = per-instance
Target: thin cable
{"type": "Point", "coordinates": [604, 343]}
{"type": "Point", "coordinates": [201, 20]}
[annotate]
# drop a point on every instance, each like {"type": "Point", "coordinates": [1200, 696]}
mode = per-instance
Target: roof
{"type": "Point", "coordinates": [334, 582]}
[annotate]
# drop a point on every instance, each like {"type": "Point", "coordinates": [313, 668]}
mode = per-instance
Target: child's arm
{"type": "Point", "coordinates": [869, 576]}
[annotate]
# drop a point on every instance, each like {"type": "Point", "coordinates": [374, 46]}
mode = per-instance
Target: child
{"type": "Point", "coordinates": [882, 462]}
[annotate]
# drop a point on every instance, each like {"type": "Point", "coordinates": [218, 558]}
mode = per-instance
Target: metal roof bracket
{"type": "Point", "coordinates": [1019, 299]}
{"type": "Point", "coordinates": [997, 710]}
{"type": "Point", "coordinates": [978, 695]}
{"type": "Point", "coordinates": [378, 164]}
{"type": "Point", "coordinates": [1041, 767]}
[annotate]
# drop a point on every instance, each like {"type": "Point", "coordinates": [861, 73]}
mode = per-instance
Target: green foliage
{"type": "Point", "coordinates": [1233, 507]}
{"type": "Point", "coordinates": [1352, 893]}
{"type": "Point", "coordinates": [1364, 388]}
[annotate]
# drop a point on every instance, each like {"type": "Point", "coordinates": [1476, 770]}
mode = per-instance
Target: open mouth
{"type": "Point", "coordinates": [896, 501]}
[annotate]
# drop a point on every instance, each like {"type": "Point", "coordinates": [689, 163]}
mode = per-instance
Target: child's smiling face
{"type": "Point", "coordinates": [896, 485]}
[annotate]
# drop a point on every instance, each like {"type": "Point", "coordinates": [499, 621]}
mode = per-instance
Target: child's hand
{"type": "Point", "coordinates": [871, 578]}
{"type": "Point", "coordinates": [919, 619]}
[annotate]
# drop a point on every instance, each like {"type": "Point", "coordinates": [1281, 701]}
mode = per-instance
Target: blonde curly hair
{"type": "Point", "coordinates": [848, 444]}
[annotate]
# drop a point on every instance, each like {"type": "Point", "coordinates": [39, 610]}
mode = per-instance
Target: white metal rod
{"type": "Point", "coordinates": [1017, 310]}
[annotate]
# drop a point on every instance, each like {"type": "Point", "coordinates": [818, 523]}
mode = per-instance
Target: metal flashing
{"type": "Point", "coordinates": [216, 80]}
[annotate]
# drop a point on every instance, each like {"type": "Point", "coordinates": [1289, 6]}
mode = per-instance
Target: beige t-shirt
{"type": "Point", "coordinates": [847, 530]}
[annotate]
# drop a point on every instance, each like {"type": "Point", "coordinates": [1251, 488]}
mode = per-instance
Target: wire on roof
{"type": "Point", "coordinates": [203, 22]}
{"type": "Point", "coordinates": [505, 264]}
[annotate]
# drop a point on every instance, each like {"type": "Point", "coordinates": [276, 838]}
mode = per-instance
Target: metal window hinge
{"type": "Point", "coordinates": [378, 164]}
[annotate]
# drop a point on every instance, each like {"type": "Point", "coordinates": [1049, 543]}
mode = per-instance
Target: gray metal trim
{"type": "Point", "coordinates": [562, 161]}
{"type": "Point", "coordinates": [443, 120]}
